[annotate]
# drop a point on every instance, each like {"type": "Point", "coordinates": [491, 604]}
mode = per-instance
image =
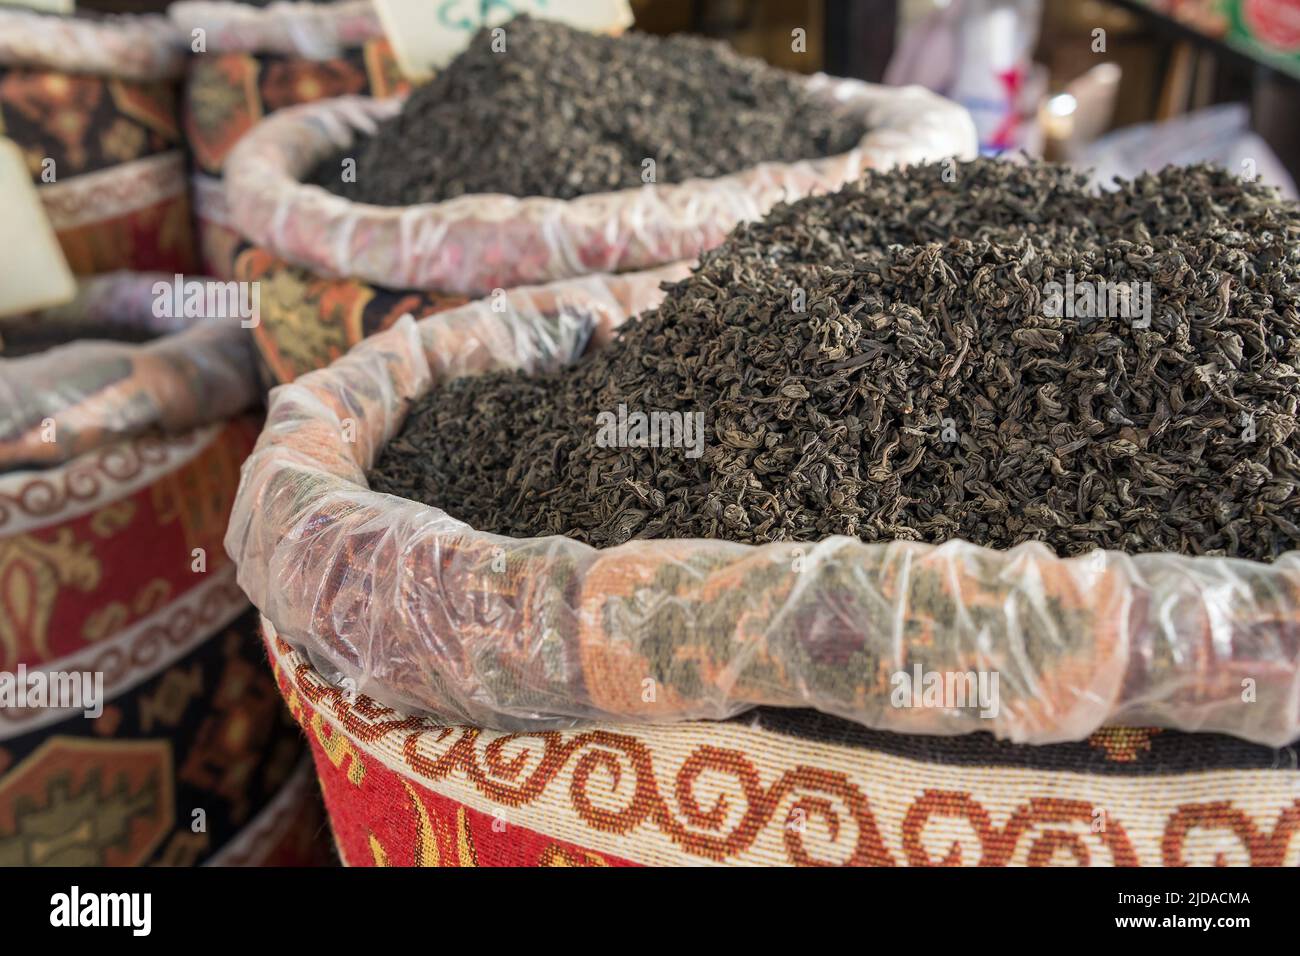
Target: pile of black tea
{"type": "Point", "coordinates": [1001, 355]}
{"type": "Point", "coordinates": [562, 113]}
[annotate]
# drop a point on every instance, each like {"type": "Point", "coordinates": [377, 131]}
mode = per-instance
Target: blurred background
{"type": "Point", "coordinates": [1059, 78]}
{"type": "Point", "coordinates": [1075, 80]}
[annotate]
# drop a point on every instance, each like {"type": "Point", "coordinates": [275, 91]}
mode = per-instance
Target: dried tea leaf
{"type": "Point", "coordinates": [928, 389]}
{"type": "Point", "coordinates": [562, 113]}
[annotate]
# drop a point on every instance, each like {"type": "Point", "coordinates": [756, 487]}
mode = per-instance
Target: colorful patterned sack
{"type": "Point", "coordinates": [308, 321]}
{"type": "Point", "coordinates": [113, 579]}
{"type": "Point", "coordinates": [779, 787]}
{"type": "Point", "coordinates": [257, 60]}
{"type": "Point", "coordinates": [92, 104]}
{"type": "Point", "coordinates": [422, 612]}
{"type": "Point", "coordinates": [342, 270]}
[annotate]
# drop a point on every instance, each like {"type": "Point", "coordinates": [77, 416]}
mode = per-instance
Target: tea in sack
{"type": "Point", "coordinates": [1115, 370]}
{"type": "Point", "coordinates": [425, 611]}
{"type": "Point", "coordinates": [476, 243]}
{"type": "Point", "coordinates": [537, 108]}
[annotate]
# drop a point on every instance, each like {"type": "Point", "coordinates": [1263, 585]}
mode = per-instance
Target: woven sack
{"type": "Point", "coordinates": [257, 60]}
{"type": "Point", "coordinates": [192, 733]}
{"type": "Point", "coordinates": [425, 613]}
{"type": "Point", "coordinates": [111, 564]}
{"type": "Point", "coordinates": [98, 97]}
{"type": "Point", "coordinates": [473, 245]}
{"type": "Point", "coordinates": [778, 787]}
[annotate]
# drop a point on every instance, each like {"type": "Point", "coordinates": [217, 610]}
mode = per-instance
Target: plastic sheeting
{"type": "Point", "coordinates": [400, 601]}
{"type": "Point", "coordinates": [315, 31]}
{"type": "Point", "coordinates": [59, 403]}
{"type": "Point", "coordinates": [144, 47]}
{"type": "Point", "coordinates": [474, 244]}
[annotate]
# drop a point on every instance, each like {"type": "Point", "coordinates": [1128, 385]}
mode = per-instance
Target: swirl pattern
{"type": "Point", "coordinates": [733, 793]}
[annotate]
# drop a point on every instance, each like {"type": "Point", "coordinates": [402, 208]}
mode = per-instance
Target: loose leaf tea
{"type": "Point", "coordinates": [560, 112]}
{"type": "Point", "coordinates": [1000, 356]}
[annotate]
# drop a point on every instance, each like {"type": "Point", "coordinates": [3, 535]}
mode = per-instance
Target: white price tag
{"type": "Point", "coordinates": [33, 271]}
{"type": "Point", "coordinates": [427, 34]}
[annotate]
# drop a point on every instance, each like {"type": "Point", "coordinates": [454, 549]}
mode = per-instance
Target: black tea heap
{"type": "Point", "coordinates": [561, 112]}
{"type": "Point", "coordinates": [1000, 356]}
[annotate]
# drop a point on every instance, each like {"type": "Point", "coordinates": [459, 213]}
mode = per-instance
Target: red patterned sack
{"type": "Point", "coordinates": [778, 787]}
{"type": "Point", "coordinates": [112, 572]}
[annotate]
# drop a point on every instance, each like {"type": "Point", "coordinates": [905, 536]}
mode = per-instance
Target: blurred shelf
{"type": "Point", "coordinates": [1285, 67]}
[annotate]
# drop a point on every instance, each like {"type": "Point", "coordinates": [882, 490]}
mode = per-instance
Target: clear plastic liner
{"type": "Point", "coordinates": [69, 399]}
{"type": "Point", "coordinates": [474, 244]}
{"type": "Point", "coordinates": [403, 602]}
{"type": "Point", "coordinates": [314, 31]}
{"type": "Point", "coordinates": [130, 46]}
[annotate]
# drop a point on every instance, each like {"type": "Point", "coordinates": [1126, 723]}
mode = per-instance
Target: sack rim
{"type": "Point", "coordinates": [126, 46]}
{"type": "Point", "coordinates": [413, 247]}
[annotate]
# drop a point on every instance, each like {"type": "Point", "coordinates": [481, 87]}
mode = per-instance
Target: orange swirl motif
{"type": "Point", "coordinates": [1051, 824]}
{"type": "Point", "coordinates": [509, 772]}
{"type": "Point", "coordinates": [719, 807]}
{"type": "Point", "coordinates": [1264, 848]}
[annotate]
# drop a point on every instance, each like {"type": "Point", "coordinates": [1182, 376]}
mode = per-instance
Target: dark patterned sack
{"type": "Point", "coordinates": [92, 103]}
{"type": "Point", "coordinates": [255, 61]}
{"type": "Point", "coordinates": [138, 724]}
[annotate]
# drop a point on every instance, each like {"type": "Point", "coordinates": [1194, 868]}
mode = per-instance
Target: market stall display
{"type": "Point", "coordinates": [597, 445]}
